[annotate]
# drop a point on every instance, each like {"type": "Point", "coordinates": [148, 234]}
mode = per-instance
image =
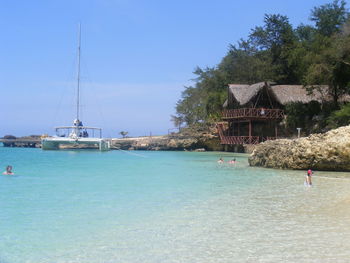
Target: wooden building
{"type": "Point", "coordinates": [252, 113]}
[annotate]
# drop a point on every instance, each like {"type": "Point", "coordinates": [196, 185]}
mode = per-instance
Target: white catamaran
{"type": "Point", "coordinates": [76, 136]}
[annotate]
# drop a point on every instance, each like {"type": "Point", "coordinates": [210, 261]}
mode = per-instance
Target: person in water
{"type": "Point", "coordinates": [308, 181]}
{"type": "Point", "coordinates": [233, 161]}
{"type": "Point", "coordinates": [221, 160]}
{"type": "Point", "coordinates": [8, 170]}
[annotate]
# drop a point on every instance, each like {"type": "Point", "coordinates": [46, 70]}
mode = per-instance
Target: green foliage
{"type": "Point", "coordinates": [124, 134]}
{"type": "Point", "coordinates": [9, 137]}
{"type": "Point", "coordinates": [245, 64]}
{"type": "Point", "coordinates": [331, 66]}
{"type": "Point", "coordinates": [313, 55]}
{"type": "Point", "coordinates": [276, 37]}
{"type": "Point", "coordinates": [330, 63]}
{"type": "Point", "coordinates": [177, 120]}
{"type": "Point", "coordinates": [300, 115]}
{"type": "Point", "coordinates": [340, 117]}
{"type": "Point", "coordinates": [190, 107]}
{"type": "Point", "coordinates": [330, 17]}
{"type": "Point", "coordinates": [295, 115]}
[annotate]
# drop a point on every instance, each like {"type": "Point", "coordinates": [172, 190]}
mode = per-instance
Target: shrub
{"type": "Point", "coordinates": [340, 117]}
{"type": "Point", "coordinates": [10, 137]}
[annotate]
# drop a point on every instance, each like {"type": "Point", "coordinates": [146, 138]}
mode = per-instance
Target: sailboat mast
{"type": "Point", "coordinates": [78, 77]}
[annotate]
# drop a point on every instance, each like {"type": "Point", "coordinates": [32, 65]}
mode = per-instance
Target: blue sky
{"type": "Point", "coordinates": [136, 57]}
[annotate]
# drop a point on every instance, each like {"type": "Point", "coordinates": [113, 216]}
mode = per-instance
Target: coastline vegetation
{"type": "Point", "coordinates": [310, 54]}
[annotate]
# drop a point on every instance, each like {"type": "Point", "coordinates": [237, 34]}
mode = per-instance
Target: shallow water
{"type": "Point", "coordinates": [88, 206]}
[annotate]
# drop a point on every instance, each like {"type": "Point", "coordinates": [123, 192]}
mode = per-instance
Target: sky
{"type": "Point", "coordinates": [136, 57]}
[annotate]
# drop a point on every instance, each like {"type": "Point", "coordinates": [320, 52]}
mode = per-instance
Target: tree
{"type": "Point", "coordinates": [331, 66]}
{"type": "Point", "coordinates": [277, 38]}
{"type": "Point", "coordinates": [124, 133]}
{"type": "Point", "coordinates": [329, 18]}
{"type": "Point", "coordinates": [246, 64]}
{"type": "Point", "coordinates": [190, 107]}
{"type": "Point", "coordinates": [177, 120]}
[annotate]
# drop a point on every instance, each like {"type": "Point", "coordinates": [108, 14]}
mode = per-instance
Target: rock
{"type": "Point", "coordinates": [173, 142]}
{"type": "Point", "coordinates": [328, 151]}
{"type": "Point", "coordinates": [199, 150]}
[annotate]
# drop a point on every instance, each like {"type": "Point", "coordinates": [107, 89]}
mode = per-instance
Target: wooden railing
{"type": "Point", "coordinates": [244, 139]}
{"type": "Point", "coordinates": [239, 140]}
{"type": "Point", "coordinates": [221, 130]}
{"type": "Point", "coordinates": [231, 140]}
{"type": "Point", "coordinates": [253, 113]}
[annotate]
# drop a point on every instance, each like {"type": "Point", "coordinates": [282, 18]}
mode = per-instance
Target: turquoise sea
{"type": "Point", "coordinates": [104, 207]}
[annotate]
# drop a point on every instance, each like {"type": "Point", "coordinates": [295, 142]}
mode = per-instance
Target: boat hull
{"type": "Point", "coordinates": [57, 143]}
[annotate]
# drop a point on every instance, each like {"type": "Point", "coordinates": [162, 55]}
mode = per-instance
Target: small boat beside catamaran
{"type": "Point", "coordinates": [77, 135]}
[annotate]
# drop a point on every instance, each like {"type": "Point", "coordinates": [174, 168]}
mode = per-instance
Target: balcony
{"type": "Point", "coordinates": [252, 113]}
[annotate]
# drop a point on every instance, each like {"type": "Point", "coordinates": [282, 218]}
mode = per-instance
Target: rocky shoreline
{"type": "Point", "coordinates": [176, 142]}
{"type": "Point", "coordinates": [173, 142]}
{"type": "Point", "coordinates": [329, 151]}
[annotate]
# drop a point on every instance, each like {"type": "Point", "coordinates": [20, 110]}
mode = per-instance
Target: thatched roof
{"type": "Point", "coordinates": [243, 93]}
{"type": "Point", "coordinates": [283, 94]}
{"type": "Point", "coordinates": [234, 89]}
{"type": "Point", "coordinates": [298, 93]}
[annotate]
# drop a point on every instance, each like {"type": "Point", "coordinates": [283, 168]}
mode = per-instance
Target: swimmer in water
{"type": "Point", "coordinates": [221, 160]}
{"type": "Point", "coordinates": [233, 161]}
{"type": "Point", "coordinates": [8, 170]}
{"type": "Point", "coordinates": [308, 181]}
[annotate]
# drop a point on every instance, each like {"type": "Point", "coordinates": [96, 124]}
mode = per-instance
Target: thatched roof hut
{"type": "Point", "coordinates": [240, 95]}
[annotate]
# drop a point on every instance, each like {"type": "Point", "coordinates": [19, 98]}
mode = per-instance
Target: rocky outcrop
{"type": "Point", "coordinates": [327, 151]}
{"type": "Point", "coordinates": [169, 143]}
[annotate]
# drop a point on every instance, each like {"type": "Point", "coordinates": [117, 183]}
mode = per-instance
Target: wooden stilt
{"type": "Point", "coordinates": [250, 131]}
{"type": "Point", "coordinates": [250, 128]}
{"type": "Point", "coordinates": [276, 134]}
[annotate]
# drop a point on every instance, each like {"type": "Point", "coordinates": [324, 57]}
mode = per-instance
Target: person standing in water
{"type": "Point", "coordinates": [308, 180]}
{"type": "Point", "coordinates": [221, 160]}
{"type": "Point", "coordinates": [8, 170]}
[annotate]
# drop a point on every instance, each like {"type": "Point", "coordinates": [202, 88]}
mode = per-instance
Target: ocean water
{"type": "Point", "coordinates": [90, 206]}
